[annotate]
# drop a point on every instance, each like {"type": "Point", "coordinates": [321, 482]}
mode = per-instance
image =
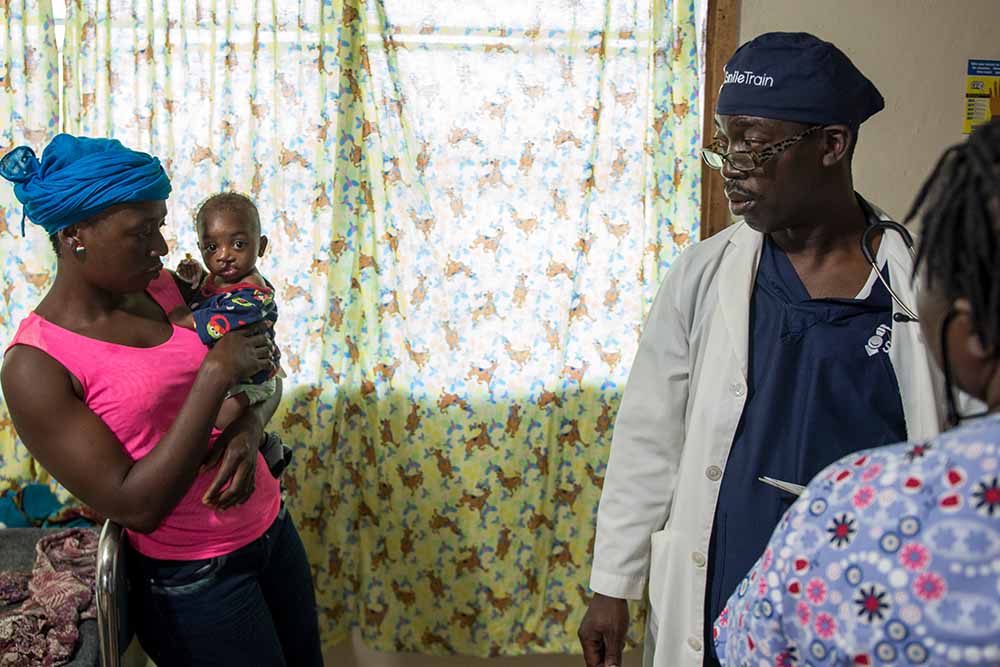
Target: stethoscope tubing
{"type": "Point", "coordinates": [866, 249]}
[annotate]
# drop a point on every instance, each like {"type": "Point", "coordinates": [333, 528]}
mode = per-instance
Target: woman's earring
{"type": "Point", "coordinates": [79, 250]}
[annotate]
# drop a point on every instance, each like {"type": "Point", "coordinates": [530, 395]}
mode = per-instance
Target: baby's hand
{"type": "Point", "coordinates": [190, 270]}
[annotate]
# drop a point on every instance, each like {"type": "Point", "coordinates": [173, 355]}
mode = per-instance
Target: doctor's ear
{"type": "Point", "coordinates": [970, 340]}
{"type": "Point", "coordinates": [837, 144]}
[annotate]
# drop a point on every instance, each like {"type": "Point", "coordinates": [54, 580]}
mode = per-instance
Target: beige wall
{"type": "Point", "coordinates": [915, 51]}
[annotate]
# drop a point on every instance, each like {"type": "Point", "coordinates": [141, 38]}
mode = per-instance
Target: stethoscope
{"type": "Point", "coordinates": [876, 226]}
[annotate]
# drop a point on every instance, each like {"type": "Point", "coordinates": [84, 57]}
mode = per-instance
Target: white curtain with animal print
{"type": "Point", "coordinates": [470, 207]}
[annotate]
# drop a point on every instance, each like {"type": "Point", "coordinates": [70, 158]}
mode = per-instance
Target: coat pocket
{"type": "Point", "coordinates": [659, 544]}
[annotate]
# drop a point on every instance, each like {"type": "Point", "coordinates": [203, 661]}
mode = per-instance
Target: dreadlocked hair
{"type": "Point", "coordinates": [960, 239]}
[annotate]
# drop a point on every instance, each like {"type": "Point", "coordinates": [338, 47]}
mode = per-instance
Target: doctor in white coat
{"type": "Point", "coordinates": [771, 349]}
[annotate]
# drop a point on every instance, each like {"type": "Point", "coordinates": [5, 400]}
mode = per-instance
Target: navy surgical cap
{"type": "Point", "coordinates": [797, 77]}
{"type": "Point", "coordinates": [79, 177]}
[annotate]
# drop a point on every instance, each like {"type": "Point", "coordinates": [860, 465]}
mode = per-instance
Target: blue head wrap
{"type": "Point", "coordinates": [79, 177]}
{"type": "Point", "coordinates": [797, 77]}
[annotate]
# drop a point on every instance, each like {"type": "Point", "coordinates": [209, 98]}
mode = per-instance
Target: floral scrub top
{"type": "Point", "coordinates": [890, 557]}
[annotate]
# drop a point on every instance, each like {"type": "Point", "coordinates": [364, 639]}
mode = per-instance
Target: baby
{"type": "Point", "coordinates": [232, 294]}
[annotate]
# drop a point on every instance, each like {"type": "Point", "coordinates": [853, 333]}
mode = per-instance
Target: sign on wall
{"type": "Point", "coordinates": [982, 93]}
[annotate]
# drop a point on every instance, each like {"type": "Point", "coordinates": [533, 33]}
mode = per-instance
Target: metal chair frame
{"type": "Point", "coordinates": [113, 629]}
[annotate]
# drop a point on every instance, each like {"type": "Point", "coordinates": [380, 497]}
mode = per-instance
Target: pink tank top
{"type": "Point", "coordinates": [138, 392]}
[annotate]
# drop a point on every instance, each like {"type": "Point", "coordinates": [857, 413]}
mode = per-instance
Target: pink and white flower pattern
{"type": "Point", "coordinates": [914, 556]}
{"type": "Point", "coordinates": [931, 514]}
{"type": "Point", "coordinates": [929, 587]}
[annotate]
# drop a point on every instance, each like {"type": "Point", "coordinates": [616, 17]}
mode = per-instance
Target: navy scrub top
{"type": "Point", "coordinates": [821, 386]}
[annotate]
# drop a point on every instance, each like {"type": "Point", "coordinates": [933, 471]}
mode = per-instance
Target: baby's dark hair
{"type": "Point", "coordinates": [227, 201]}
{"type": "Point", "coordinates": [960, 241]}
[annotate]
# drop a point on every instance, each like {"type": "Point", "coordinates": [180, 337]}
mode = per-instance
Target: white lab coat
{"type": "Point", "coordinates": [678, 416]}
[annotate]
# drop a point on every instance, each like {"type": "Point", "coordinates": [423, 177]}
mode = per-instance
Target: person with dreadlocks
{"type": "Point", "coordinates": [890, 556]}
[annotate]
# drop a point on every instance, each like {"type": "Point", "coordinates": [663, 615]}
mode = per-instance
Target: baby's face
{"type": "Point", "coordinates": [230, 244]}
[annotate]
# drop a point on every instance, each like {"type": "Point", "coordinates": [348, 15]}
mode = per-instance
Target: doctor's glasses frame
{"type": "Point", "coordinates": [746, 161]}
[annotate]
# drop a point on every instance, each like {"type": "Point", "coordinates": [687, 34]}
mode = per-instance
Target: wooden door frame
{"type": "Point", "coordinates": [722, 33]}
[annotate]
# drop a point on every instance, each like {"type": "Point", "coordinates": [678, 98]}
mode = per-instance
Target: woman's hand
{"type": "Point", "coordinates": [237, 449]}
{"type": "Point", "coordinates": [243, 353]}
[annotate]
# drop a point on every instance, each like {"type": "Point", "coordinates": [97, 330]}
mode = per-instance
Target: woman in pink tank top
{"type": "Point", "coordinates": [119, 406]}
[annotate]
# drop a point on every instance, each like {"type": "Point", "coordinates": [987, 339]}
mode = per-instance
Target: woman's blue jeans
{"type": "Point", "coordinates": [255, 606]}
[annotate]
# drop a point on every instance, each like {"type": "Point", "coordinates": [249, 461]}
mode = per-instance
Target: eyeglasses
{"type": "Point", "coordinates": [749, 160]}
